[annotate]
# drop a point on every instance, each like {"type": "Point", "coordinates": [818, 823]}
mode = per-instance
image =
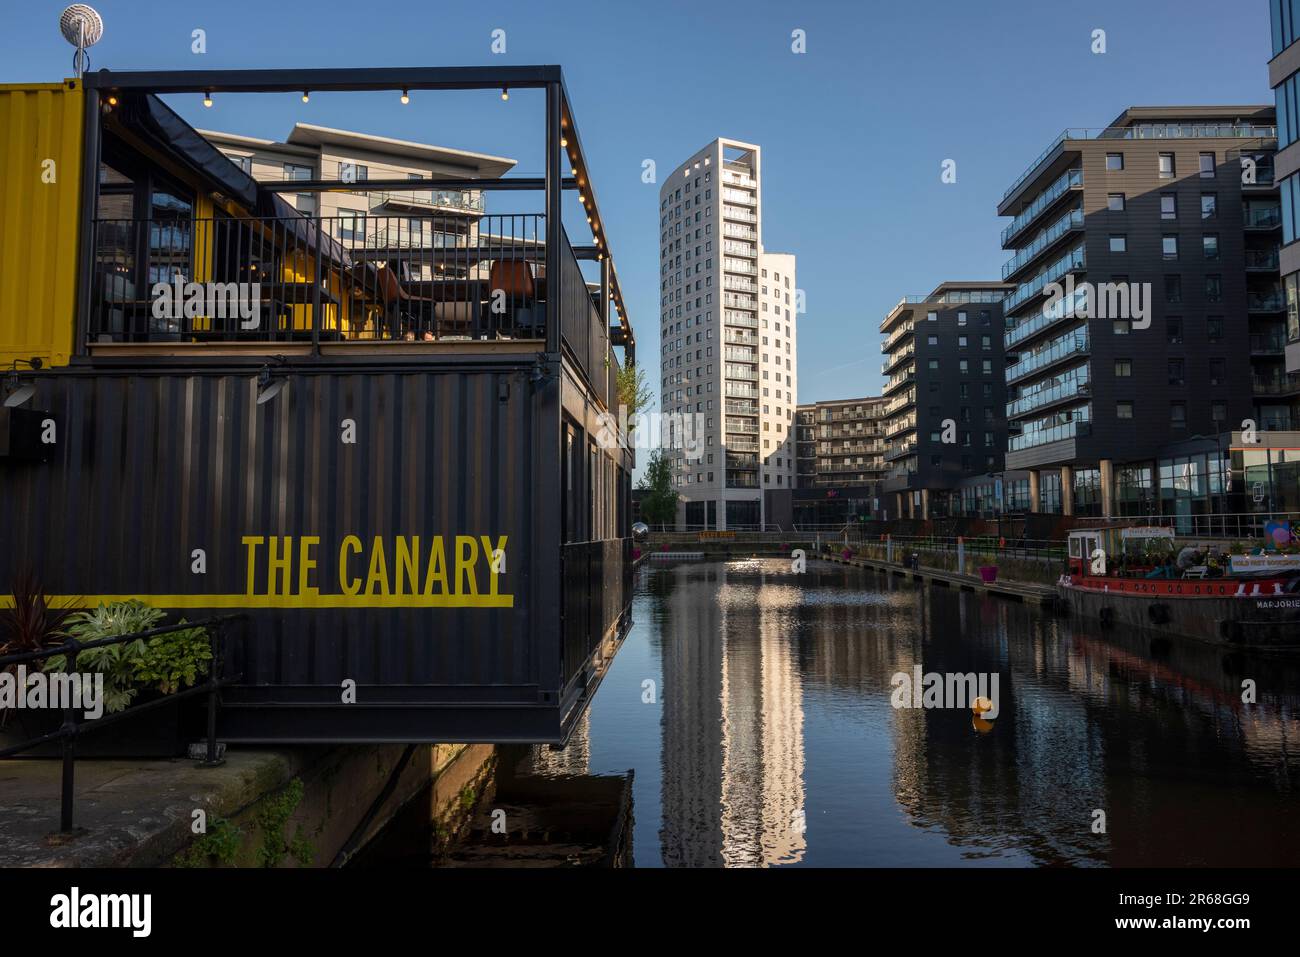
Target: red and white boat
{"type": "Point", "coordinates": [1142, 577]}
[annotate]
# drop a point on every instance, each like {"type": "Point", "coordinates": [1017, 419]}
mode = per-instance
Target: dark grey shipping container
{"type": "Point", "coordinates": [351, 476]}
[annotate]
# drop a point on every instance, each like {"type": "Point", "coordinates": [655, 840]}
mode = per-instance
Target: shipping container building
{"type": "Point", "coordinates": [389, 447]}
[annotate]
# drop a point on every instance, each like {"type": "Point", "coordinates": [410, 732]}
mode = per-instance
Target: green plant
{"type": "Point", "coordinates": [659, 506]}
{"type": "Point", "coordinates": [633, 393]}
{"type": "Point", "coordinates": [167, 662]}
{"type": "Point", "coordinates": [31, 624]}
{"type": "Point", "coordinates": [271, 819]}
{"type": "Point", "coordinates": [219, 845]}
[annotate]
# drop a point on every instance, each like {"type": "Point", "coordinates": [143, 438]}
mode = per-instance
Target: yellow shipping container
{"type": "Point", "coordinates": [40, 191]}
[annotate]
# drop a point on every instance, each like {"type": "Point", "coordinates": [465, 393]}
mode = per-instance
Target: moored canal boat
{"type": "Point", "coordinates": [1116, 576]}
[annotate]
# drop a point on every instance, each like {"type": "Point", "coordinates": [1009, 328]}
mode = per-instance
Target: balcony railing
{"type": "Point", "coordinates": [1268, 217]}
{"type": "Point", "coordinates": [1074, 387]}
{"type": "Point", "coordinates": [739, 215]}
{"type": "Point", "coordinates": [1277, 385]}
{"type": "Point", "coordinates": [1071, 179]}
{"type": "Point", "coordinates": [1071, 261]}
{"type": "Point", "coordinates": [1148, 131]}
{"type": "Point", "coordinates": [1069, 345]}
{"type": "Point", "coordinates": [1265, 302]}
{"type": "Point", "coordinates": [1262, 259]}
{"type": "Point", "coordinates": [1071, 220]}
{"type": "Point", "coordinates": [1270, 343]}
{"type": "Point", "coordinates": [1045, 436]}
{"type": "Point", "coordinates": [468, 201]}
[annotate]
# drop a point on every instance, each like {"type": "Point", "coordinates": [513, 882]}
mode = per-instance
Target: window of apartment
{"type": "Point", "coordinates": [1178, 415]}
{"type": "Point", "coordinates": [961, 318]}
{"type": "Point", "coordinates": [1115, 202]}
{"type": "Point", "coordinates": [931, 316]}
{"type": "Point", "coordinates": [352, 225]}
{"type": "Point", "coordinates": [986, 342]}
{"type": "Point", "coordinates": [1165, 164]}
{"type": "Point", "coordinates": [1169, 246]}
{"type": "Point", "coordinates": [306, 201]}
{"type": "Point", "coordinates": [1218, 372]}
{"type": "Point", "coordinates": [1210, 246]}
{"type": "Point", "coordinates": [1118, 243]}
{"type": "Point", "coordinates": [963, 390]}
{"type": "Point", "coordinates": [1120, 327]}
{"type": "Point", "coordinates": [1207, 165]}
{"type": "Point", "coordinates": [243, 162]}
{"type": "Point", "coordinates": [963, 366]}
{"type": "Point", "coordinates": [1124, 409]}
{"type": "Point", "coordinates": [961, 342]}
{"type": "Point", "coordinates": [1218, 411]}
{"type": "Point", "coordinates": [931, 340]}
{"type": "Point", "coordinates": [1214, 287]}
{"type": "Point", "coordinates": [933, 364]}
{"type": "Point", "coordinates": [986, 366]}
{"type": "Point", "coordinates": [1209, 205]}
{"type": "Point", "coordinates": [1168, 206]}
{"type": "Point", "coordinates": [1214, 328]}
{"type": "Point", "coordinates": [1174, 331]}
{"type": "Point", "coordinates": [1173, 288]}
{"type": "Point", "coordinates": [1176, 372]}
{"type": "Point", "coordinates": [1123, 368]}
{"type": "Point", "coordinates": [1114, 161]}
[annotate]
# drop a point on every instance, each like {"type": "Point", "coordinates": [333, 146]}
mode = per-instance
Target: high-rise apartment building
{"type": "Point", "coordinates": [1161, 233]}
{"type": "Point", "coordinates": [728, 346]}
{"type": "Point", "coordinates": [945, 395]}
{"type": "Point", "coordinates": [1284, 77]}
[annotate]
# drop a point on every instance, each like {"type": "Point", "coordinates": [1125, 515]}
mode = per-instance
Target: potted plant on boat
{"type": "Point", "coordinates": [30, 624]}
{"type": "Point", "coordinates": [988, 574]}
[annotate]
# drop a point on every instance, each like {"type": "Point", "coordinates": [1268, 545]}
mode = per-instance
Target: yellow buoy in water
{"type": "Point", "coordinates": [980, 724]}
{"type": "Point", "coordinates": [981, 705]}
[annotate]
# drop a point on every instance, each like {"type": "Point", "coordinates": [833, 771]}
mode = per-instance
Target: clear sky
{"type": "Point", "coordinates": [854, 131]}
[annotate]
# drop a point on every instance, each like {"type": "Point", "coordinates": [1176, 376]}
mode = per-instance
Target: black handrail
{"type": "Point", "coordinates": [71, 727]}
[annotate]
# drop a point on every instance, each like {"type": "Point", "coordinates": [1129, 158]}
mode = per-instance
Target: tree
{"type": "Point", "coordinates": [633, 393]}
{"type": "Point", "coordinates": [659, 506]}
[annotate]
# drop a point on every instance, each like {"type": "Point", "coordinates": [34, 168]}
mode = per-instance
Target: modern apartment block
{"type": "Point", "coordinates": [1163, 229]}
{"type": "Point", "coordinates": [944, 393]}
{"type": "Point", "coordinates": [398, 218]}
{"type": "Point", "coordinates": [840, 451]}
{"type": "Point", "coordinates": [728, 350]}
{"type": "Point", "coordinates": [1284, 77]}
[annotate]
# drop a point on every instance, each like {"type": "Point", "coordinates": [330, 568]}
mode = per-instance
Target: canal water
{"type": "Point", "coordinates": [754, 705]}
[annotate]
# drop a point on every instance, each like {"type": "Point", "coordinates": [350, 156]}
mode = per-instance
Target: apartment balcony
{"type": "Point", "coordinates": [741, 390]}
{"type": "Point", "coordinates": [896, 427]}
{"type": "Point", "coordinates": [739, 196]}
{"type": "Point", "coordinates": [898, 335]}
{"type": "Point", "coordinates": [738, 215]}
{"type": "Point", "coordinates": [742, 427]}
{"type": "Point", "coordinates": [741, 445]}
{"type": "Point", "coordinates": [1262, 218]}
{"type": "Point", "coordinates": [740, 266]}
{"type": "Point", "coordinates": [1262, 260]}
{"type": "Point", "coordinates": [739, 338]}
{"type": "Point", "coordinates": [748, 373]}
{"type": "Point", "coordinates": [1046, 436]}
{"type": "Point", "coordinates": [427, 201]}
{"type": "Point", "coordinates": [1278, 385]}
{"type": "Point", "coordinates": [1070, 182]}
{"type": "Point", "coordinates": [895, 358]}
{"type": "Point", "coordinates": [1073, 261]}
{"type": "Point", "coordinates": [737, 284]}
{"type": "Point", "coordinates": [745, 319]}
{"type": "Point", "coordinates": [1273, 343]}
{"type": "Point", "coordinates": [740, 302]}
{"type": "Point", "coordinates": [1071, 390]}
{"type": "Point", "coordinates": [897, 450]}
{"type": "Point", "coordinates": [732, 178]}
{"type": "Point", "coordinates": [898, 381]}
{"type": "Point", "coordinates": [732, 248]}
{"type": "Point", "coordinates": [732, 231]}
{"type": "Point", "coordinates": [740, 355]}
{"type": "Point", "coordinates": [741, 408]}
{"type": "Point", "coordinates": [898, 403]}
{"type": "Point", "coordinates": [742, 460]}
{"type": "Point", "coordinates": [742, 479]}
{"type": "Point", "coordinates": [1062, 349]}
{"type": "Point", "coordinates": [1043, 243]}
{"type": "Point", "coordinates": [1262, 303]}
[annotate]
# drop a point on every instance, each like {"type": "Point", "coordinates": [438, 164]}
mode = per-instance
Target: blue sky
{"type": "Point", "coordinates": [885, 93]}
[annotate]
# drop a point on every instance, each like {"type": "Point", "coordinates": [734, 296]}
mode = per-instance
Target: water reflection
{"type": "Point", "coordinates": [772, 739]}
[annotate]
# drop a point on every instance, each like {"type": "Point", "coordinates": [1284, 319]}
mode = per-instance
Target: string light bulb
{"type": "Point", "coordinates": [207, 98]}
{"type": "Point", "coordinates": [406, 97]}
{"type": "Point", "coordinates": [305, 96]}
{"type": "Point", "coordinates": [505, 93]}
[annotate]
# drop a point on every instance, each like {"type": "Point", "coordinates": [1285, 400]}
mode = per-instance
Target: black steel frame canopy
{"type": "Point", "coordinates": [560, 127]}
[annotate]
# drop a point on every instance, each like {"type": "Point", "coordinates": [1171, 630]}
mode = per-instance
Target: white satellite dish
{"type": "Point", "coordinates": [82, 26]}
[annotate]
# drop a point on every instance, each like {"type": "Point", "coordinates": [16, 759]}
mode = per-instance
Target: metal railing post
{"type": "Point", "coordinates": [69, 748]}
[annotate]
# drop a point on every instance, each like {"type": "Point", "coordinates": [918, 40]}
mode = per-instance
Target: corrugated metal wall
{"type": "Point", "coordinates": [40, 188]}
{"type": "Point", "coordinates": [154, 466]}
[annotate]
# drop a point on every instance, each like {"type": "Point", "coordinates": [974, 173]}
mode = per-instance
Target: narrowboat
{"type": "Point", "coordinates": [1143, 577]}
{"type": "Point", "coordinates": [384, 456]}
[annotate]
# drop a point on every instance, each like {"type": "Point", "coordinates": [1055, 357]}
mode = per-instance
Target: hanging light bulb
{"type": "Point", "coordinates": [564, 141]}
{"type": "Point", "coordinates": [305, 96]}
{"type": "Point", "coordinates": [406, 97]}
{"type": "Point", "coordinates": [207, 98]}
{"type": "Point", "coordinates": [505, 93]}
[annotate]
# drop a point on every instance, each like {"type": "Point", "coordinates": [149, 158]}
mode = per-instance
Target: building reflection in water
{"type": "Point", "coordinates": [775, 698]}
{"type": "Point", "coordinates": [733, 750]}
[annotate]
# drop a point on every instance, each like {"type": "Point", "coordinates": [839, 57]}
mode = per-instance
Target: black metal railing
{"type": "Point", "coordinates": [71, 728]}
{"type": "Point", "coordinates": [351, 276]}
{"type": "Point", "coordinates": [581, 323]}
